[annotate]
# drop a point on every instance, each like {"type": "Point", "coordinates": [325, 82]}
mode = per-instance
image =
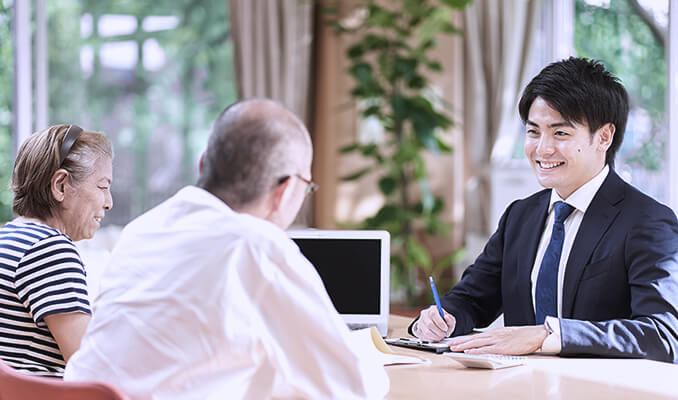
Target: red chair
{"type": "Point", "coordinates": [15, 385]}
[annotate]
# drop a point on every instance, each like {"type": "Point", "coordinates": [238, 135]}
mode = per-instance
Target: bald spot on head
{"type": "Point", "coordinates": [252, 145]}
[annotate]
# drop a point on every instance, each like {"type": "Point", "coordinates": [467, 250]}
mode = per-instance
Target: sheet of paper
{"type": "Point", "coordinates": [369, 341]}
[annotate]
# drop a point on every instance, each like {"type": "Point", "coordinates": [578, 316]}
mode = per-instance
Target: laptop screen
{"type": "Point", "coordinates": [350, 269]}
{"type": "Point", "coordinates": [355, 266]}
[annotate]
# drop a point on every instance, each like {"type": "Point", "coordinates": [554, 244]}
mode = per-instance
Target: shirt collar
{"type": "Point", "coordinates": [582, 197]}
{"type": "Point", "coordinates": [194, 194]}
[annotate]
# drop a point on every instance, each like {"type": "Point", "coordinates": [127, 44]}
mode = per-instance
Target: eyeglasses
{"type": "Point", "coordinates": [72, 134]}
{"type": "Point", "coordinates": [311, 187]}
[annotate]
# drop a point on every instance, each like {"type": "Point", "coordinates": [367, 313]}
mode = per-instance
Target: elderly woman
{"type": "Point", "coordinates": [61, 183]}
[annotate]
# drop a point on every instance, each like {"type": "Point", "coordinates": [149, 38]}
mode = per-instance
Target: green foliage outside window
{"type": "Point", "coordinates": [137, 108]}
{"type": "Point", "coordinates": [631, 44]}
{"type": "Point", "coordinates": [6, 144]}
{"type": "Point", "coordinates": [144, 111]}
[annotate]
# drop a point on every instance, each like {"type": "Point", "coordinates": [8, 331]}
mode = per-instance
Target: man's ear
{"type": "Point", "coordinates": [606, 135]}
{"type": "Point", "coordinates": [58, 184]}
{"type": "Point", "coordinates": [279, 195]}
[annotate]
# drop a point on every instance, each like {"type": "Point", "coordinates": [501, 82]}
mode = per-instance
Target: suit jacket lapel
{"type": "Point", "coordinates": [535, 227]}
{"type": "Point", "coordinates": [599, 215]}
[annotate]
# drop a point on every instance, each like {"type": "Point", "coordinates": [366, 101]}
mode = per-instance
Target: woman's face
{"type": "Point", "coordinates": [86, 202]}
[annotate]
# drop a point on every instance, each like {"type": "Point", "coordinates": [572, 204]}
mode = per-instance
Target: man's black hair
{"type": "Point", "coordinates": [582, 91]}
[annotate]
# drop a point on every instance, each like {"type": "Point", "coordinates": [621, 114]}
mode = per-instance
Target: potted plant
{"type": "Point", "coordinates": [389, 62]}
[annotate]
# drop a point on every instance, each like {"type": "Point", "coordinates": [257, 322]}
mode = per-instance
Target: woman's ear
{"type": "Point", "coordinates": [58, 184]}
{"type": "Point", "coordinates": [201, 162]}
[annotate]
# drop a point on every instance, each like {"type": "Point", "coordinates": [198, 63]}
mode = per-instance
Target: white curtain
{"type": "Point", "coordinates": [497, 45]}
{"type": "Point", "coordinates": [273, 42]}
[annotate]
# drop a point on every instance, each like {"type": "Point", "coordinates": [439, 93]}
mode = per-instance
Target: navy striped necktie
{"type": "Point", "coordinates": [546, 293]}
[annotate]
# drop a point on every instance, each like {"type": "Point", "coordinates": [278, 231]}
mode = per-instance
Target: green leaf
{"type": "Point", "coordinates": [434, 66]}
{"type": "Point", "coordinates": [367, 85]}
{"type": "Point", "coordinates": [435, 226]}
{"type": "Point", "coordinates": [404, 67]}
{"type": "Point", "coordinates": [436, 23]}
{"type": "Point", "coordinates": [387, 185]}
{"type": "Point", "coordinates": [356, 175]}
{"type": "Point", "coordinates": [398, 104]}
{"type": "Point", "coordinates": [405, 153]}
{"type": "Point", "coordinates": [372, 110]}
{"type": "Point", "coordinates": [427, 199]}
{"type": "Point", "coordinates": [427, 44]}
{"type": "Point", "coordinates": [418, 254]}
{"type": "Point", "coordinates": [456, 3]}
{"type": "Point", "coordinates": [389, 214]}
{"type": "Point", "coordinates": [349, 148]}
{"type": "Point", "coordinates": [359, 92]}
{"type": "Point", "coordinates": [451, 259]}
{"type": "Point", "coordinates": [416, 8]}
{"type": "Point", "coordinates": [451, 29]}
{"type": "Point", "coordinates": [355, 51]}
{"type": "Point", "coordinates": [438, 206]}
{"type": "Point", "coordinates": [443, 121]}
{"type": "Point", "coordinates": [385, 62]}
{"type": "Point", "coordinates": [329, 10]}
{"type": "Point", "coordinates": [419, 171]}
{"type": "Point", "coordinates": [416, 82]}
{"type": "Point", "coordinates": [397, 263]}
{"type": "Point", "coordinates": [380, 17]}
{"type": "Point", "coordinates": [414, 21]}
{"type": "Point", "coordinates": [424, 129]}
{"type": "Point", "coordinates": [372, 42]}
{"type": "Point", "coordinates": [369, 150]}
{"type": "Point", "coordinates": [442, 146]}
{"type": "Point", "coordinates": [337, 27]}
{"type": "Point", "coordinates": [362, 72]}
{"type": "Point", "coordinates": [429, 142]}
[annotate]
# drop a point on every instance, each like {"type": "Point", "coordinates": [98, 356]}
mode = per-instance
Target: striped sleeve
{"type": "Point", "coordinates": [50, 279]}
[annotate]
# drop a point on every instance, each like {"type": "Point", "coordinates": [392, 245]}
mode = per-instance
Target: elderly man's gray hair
{"type": "Point", "coordinates": [253, 144]}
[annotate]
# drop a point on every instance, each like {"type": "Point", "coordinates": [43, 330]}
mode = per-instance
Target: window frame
{"type": "Point", "coordinates": [560, 36]}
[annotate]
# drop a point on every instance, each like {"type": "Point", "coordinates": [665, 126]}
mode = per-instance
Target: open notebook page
{"type": "Point", "coordinates": [369, 341]}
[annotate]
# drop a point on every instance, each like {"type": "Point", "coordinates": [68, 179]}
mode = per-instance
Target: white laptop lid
{"type": "Point", "coordinates": [355, 268]}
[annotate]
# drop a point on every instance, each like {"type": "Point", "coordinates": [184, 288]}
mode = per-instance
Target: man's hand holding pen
{"type": "Point", "coordinates": [432, 327]}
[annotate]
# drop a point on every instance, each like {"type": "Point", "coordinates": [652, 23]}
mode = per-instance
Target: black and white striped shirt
{"type": "Point", "coordinates": [40, 274]}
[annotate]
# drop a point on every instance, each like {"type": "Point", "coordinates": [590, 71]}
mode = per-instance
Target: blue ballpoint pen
{"type": "Point", "coordinates": [436, 298]}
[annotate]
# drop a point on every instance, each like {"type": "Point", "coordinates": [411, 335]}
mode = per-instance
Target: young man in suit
{"type": "Point", "coordinates": [587, 266]}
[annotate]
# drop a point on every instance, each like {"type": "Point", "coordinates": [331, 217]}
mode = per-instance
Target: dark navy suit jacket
{"type": "Point", "coordinates": [620, 291]}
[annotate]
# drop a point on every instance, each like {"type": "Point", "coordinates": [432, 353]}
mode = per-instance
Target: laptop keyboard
{"type": "Point", "coordinates": [355, 327]}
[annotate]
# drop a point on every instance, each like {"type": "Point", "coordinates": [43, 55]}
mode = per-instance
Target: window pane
{"type": "Point", "coordinates": [628, 36]}
{"type": "Point", "coordinates": [6, 143]}
{"type": "Point", "coordinates": [152, 75]}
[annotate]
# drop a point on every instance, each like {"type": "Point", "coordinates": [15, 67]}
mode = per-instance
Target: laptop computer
{"type": "Point", "coordinates": [355, 267]}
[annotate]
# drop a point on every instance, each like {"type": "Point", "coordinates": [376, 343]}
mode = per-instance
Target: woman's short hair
{"type": "Point", "coordinates": [38, 160]}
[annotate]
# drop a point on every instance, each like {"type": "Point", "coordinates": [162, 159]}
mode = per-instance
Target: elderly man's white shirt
{"type": "Point", "coordinates": [201, 302]}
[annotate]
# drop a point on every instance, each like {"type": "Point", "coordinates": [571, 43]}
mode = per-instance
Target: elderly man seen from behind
{"type": "Point", "coordinates": [207, 297]}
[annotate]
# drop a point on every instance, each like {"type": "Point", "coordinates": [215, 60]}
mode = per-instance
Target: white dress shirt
{"type": "Point", "coordinates": [580, 200]}
{"type": "Point", "coordinates": [201, 302]}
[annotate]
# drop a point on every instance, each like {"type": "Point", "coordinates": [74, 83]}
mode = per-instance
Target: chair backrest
{"type": "Point", "coordinates": [15, 385]}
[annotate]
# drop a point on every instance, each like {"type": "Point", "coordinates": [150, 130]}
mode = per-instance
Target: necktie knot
{"type": "Point", "coordinates": [563, 210]}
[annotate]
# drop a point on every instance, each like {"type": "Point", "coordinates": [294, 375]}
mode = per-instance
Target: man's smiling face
{"type": "Point", "coordinates": [563, 153]}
